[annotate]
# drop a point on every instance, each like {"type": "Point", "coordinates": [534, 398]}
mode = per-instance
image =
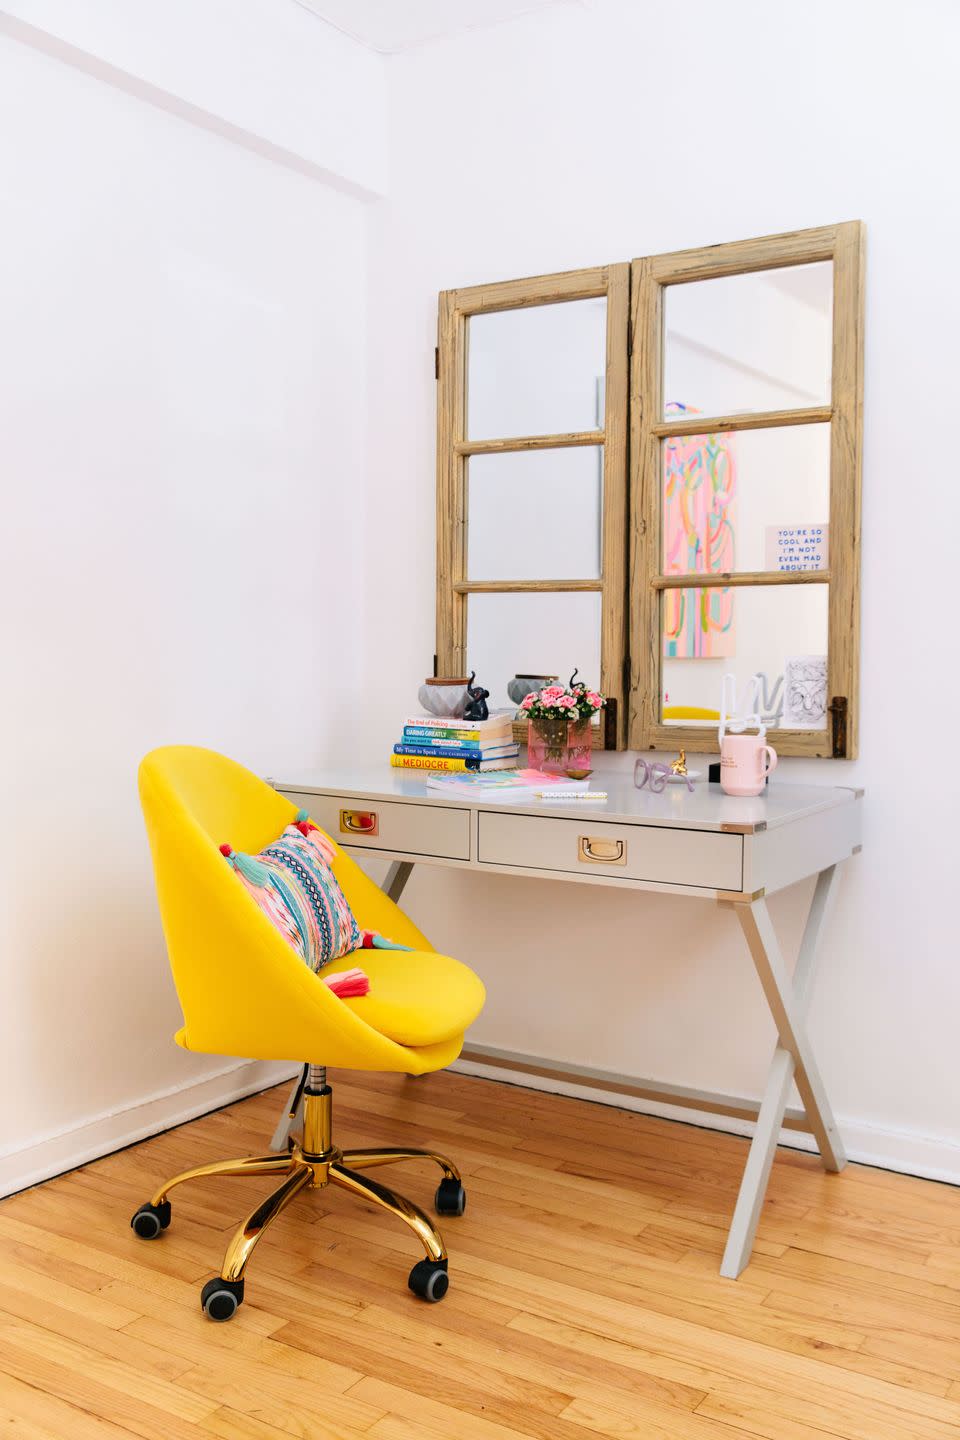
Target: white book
{"type": "Point", "coordinates": [499, 720]}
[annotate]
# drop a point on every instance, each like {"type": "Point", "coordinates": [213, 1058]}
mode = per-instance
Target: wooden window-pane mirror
{"type": "Point", "coordinates": [743, 507]}
{"type": "Point", "coordinates": [746, 415]}
{"type": "Point", "coordinates": [532, 480]}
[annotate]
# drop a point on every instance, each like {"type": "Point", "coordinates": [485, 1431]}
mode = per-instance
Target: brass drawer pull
{"type": "Point", "coordinates": [359, 822]}
{"type": "Point", "coordinates": [601, 852]}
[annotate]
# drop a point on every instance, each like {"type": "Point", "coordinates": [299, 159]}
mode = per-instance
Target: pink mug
{"type": "Point", "coordinates": [742, 768]}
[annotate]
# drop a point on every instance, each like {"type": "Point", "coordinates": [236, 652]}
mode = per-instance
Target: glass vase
{"type": "Point", "coordinates": [560, 747]}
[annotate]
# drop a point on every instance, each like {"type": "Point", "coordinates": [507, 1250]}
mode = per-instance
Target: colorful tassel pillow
{"type": "Point", "coordinates": [293, 882]}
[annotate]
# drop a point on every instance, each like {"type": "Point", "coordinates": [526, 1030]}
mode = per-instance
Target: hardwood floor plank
{"type": "Point", "coordinates": [50, 1415]}
{"type": "Point", "coordinates": [128, 1380]}
{"type": "Point", "coordinates": [721, 1367]}
{"type": "Point", "coordinates": [235, 1425]}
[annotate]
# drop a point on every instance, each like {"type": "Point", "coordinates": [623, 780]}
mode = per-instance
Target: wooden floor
{"type": "Point", "coordinates": [584, 1296]}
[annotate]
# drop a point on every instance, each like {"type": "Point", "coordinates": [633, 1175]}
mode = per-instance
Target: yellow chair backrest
{"type": "Point", "coordinates": [242, 988]}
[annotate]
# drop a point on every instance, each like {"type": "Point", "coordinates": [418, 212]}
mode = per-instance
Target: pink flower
{"type": "Point", "coordinates": [527, 701]}
{"type": "Point", "coordinates": [551, 694]}
{"type": "Point", "coordinates": [567, 702]}
{"type": "Point", "coordinates": [594, 699]}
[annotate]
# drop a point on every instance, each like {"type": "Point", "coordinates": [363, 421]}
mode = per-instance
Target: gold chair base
{"type": "Point", "coordinates": [315, 1163]}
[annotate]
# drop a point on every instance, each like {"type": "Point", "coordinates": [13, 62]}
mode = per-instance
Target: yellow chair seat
{"type": "Point", "coordinates": [243, 989]}
{"type": "Point", "coordinates": [417, 997]}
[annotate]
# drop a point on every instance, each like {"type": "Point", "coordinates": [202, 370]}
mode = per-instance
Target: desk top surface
{"type": "Point", "coordinates": [706, 808]}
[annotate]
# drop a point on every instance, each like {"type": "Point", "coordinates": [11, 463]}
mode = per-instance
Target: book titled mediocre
{"type": "Point", "coordinates": [443, 762]}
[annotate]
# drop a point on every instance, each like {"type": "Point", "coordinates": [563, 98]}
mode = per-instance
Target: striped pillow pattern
{"type": "Point", "coordinates": [292, 881]}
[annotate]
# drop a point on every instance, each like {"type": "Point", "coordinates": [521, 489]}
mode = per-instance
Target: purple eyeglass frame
{"type": "Point", "coordinates": [656, 774]}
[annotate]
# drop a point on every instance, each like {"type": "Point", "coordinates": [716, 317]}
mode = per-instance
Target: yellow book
{"type": "Point", "coordinates": [427, 762]}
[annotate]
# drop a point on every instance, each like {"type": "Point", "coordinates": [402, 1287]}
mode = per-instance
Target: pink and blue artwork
{"type": "Point", "coordinates": [699, 492]}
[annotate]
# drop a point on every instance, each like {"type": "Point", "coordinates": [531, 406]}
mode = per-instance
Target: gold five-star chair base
{"type": "Point", "coordinates": [311, 1164]}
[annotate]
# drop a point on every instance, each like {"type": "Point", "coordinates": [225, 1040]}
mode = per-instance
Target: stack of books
{"type": "Point", "coordinates": [432, 743]}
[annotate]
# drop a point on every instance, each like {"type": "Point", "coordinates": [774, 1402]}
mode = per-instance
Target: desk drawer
{"type": "Point", "coordinates": [390, 824]}
{"type": "Point", "coordinates": [702, 858]}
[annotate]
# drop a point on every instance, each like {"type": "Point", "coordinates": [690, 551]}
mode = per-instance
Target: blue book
{"type": "Point", "coordinates": [471, 759]}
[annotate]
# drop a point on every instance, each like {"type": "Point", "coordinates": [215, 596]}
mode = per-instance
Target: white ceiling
{"type": "Point", "coordinates": [390, 26]}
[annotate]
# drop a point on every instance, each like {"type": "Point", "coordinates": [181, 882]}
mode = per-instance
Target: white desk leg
{"type": "Point", "coordinates": [393, 887]}
{"type": "Point", "coordinates": [793, 1056]}
{"type": "Point", "coordinates": [396, 880]}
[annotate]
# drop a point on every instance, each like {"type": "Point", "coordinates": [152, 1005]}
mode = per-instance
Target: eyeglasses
{"type": "Point", "coordinates": [656, 776]}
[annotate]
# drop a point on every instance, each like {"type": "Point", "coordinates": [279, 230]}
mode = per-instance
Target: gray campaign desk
{"type": "Point", "coordinates": [710, 846]}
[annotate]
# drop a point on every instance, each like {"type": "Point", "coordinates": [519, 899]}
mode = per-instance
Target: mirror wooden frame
{"type": "Point", "coordinates": [454, 450]}
{"type": "Point", "coordinates": [843, 245]}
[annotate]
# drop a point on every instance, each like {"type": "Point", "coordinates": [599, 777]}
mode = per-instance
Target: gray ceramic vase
{"type": "Point", "coordinates": [444, 701]}
{"type": "Point", "coordinates": [521, 685]}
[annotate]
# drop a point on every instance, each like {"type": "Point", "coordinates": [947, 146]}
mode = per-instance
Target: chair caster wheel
{"type": "Point", "coordinates": [149, 1220]}
{"type": "Point", "coordinates": [429, 1280]}
{"type": "Point", "coordinates": [451, 1198]}
{"type": "Point", "coordinates": [221, 1299]}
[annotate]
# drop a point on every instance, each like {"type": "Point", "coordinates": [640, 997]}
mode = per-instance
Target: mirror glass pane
{"type": "Point", "coordinates": [543, 633]}
{"type": "Point", "coordinates": [746, 500]}
{"type": "Point", "coordinates": [536, 371]}
{"type": "Point", "coordinates": [777, 630]}
{"type": "Point", "coordinates": [753, 342]}
{"type": "Point", "coordinates": [535, 514]}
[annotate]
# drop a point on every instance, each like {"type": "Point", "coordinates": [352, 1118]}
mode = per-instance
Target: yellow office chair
{"type": "Point", "coordinates": [245, 991]}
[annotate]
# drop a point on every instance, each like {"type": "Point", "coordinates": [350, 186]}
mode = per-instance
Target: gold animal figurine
{"type": "Point", "coordinates": [679, 766]}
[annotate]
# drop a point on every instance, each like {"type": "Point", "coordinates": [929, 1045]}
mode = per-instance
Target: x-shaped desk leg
{"type": "Point", "coordinates": [792, 1060]}
{"type": "Point", "coordinates": [393, 887]}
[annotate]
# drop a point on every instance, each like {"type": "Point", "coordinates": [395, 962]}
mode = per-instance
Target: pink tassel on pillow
{"type": "Point", "coordinates": [348, 984]}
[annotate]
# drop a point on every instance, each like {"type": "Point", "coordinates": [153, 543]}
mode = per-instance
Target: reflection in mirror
{"type": "Point", "coordinates": [540, 632]}
{"type": "Point", "coordinates": [746, 500]}
{"type": "Point", "coordinates": [537, 370]}
{"type": "Point", "coordinates": [743, 343]}
{"type": "Point", "coordinates": [534, 514]}
{"type": "Point", "coordinates": [778, 630]}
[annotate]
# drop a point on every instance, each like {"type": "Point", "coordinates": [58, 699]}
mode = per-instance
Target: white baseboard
{"type": "Point", "coordinates": [932, 1157]}
{"type": "Point", "coordinates": [54, 1153]}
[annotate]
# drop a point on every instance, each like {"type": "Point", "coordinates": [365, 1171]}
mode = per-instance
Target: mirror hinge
{"type": "Point", "coordinates": [610, 724]}
{"type": "Point", "coordinates": [838, 726]}
{"type": "Point", "coordinates": [436, 362]}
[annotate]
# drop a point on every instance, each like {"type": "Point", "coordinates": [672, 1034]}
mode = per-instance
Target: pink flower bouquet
{"type": "Point", "coordinates": [577, 703]}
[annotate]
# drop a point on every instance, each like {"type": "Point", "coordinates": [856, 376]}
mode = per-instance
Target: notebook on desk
{"type": "Point", "coordinates": [506, 785]}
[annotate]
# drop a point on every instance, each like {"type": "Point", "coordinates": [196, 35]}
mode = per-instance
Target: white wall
{"type": "Point", "coordinates": [265, 72]}
{"type": "Point", "coordinates": [182, 382]}
{"type": "Point", "coordinates": [575, 137]}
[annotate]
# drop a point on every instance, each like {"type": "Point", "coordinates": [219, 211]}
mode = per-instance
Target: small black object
{"type": "Point", "coordinates": [477, 709]}
{"type": "Point", "coordinates": [451, 1198]}
{"type": "Point", "coordinates": [429, 1280]}
{"type": "Point", "coordinates": [221, 1299]}
{"type": "Point", "coordinates": [150, 1220]}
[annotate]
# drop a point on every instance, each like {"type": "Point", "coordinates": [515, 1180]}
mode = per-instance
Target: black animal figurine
{"type": "Point", "coordinates": [477, 708]}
